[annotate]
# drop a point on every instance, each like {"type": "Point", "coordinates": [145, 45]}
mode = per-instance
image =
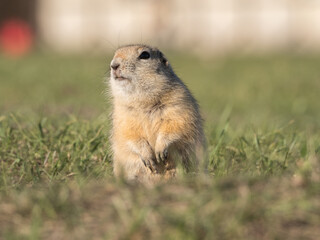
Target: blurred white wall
{"type": "Point", "coordinates": [204, 26]}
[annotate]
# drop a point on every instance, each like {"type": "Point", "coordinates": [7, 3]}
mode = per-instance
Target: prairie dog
{"type": "Point", "coordinates": [156, 122]}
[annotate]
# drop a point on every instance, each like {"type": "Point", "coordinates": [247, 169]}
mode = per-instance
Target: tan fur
{"type": "Point", "coordinates": [153, 114]}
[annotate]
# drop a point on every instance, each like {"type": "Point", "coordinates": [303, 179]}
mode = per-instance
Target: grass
{"type": "Point", "coordinates": [262, 126]}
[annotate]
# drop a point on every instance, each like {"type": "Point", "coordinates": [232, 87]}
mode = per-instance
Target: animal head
{"type": "Point", "coordinates": [137, 69]}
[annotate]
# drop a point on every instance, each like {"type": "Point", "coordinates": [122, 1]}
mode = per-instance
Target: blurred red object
{"type": "Point", "coordinates": [16, 37]}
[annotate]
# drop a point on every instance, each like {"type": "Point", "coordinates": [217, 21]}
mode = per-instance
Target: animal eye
{"type": "Point", "coordinates": [144, 55]}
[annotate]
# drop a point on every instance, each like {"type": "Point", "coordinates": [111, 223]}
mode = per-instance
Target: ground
{"type": "Point", "coordinates": [262, 116]}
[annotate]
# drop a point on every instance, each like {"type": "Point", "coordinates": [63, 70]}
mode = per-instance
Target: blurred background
{"type": "Point", "coordinates": [258, 57]}
{"type": "Point", "coordinates": [205, 26]}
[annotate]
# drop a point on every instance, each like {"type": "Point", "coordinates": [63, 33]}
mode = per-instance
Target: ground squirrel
{"type": "Point", "coordinates": [156, 122]}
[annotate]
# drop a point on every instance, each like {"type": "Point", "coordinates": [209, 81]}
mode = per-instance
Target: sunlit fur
{"type": "Point", "coordinates": [152, 111]}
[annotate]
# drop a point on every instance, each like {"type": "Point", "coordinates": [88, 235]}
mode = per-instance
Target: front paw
{"type": "Point", "coordinates": [162, 155]}
{"type": "Point", "coordinates": [150, 163]}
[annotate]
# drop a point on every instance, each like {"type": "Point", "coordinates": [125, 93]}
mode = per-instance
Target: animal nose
{"type": "Point", "coordinates": [114, 65]}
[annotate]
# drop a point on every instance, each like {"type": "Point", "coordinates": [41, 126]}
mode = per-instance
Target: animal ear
{"type": "Point", "coordinates": [164, 61]}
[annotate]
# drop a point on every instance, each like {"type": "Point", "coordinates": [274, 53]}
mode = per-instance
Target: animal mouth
{"type": "Point", "coordinates": [121, 78]}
